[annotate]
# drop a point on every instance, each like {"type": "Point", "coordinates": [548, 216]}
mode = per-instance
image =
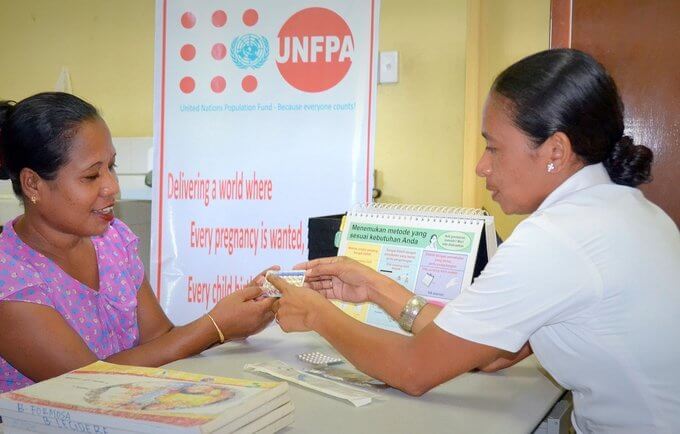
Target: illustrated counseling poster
{"type": "Point", "coordinates": [264, 115]}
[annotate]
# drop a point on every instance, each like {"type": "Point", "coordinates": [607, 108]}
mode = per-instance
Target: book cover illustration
{"type": "Point", "coordinates": [149, 395]}
{"type": "Point", "coordinates": [145, 394]}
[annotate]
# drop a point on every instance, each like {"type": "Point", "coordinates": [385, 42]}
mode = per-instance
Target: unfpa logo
{"type": "Point", "coordinates": [315, 49]}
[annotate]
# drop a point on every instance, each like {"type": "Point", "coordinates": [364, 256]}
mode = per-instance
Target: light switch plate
{"type": "Point", "coordinates": [389, 67]}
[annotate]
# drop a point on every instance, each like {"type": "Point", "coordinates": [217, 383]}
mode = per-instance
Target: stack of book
{"type": "Point", "coordinates": [104, 398]}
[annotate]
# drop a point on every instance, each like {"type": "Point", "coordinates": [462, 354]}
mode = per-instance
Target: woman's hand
{"type": "Point", "coordinates": [341, 278]}
{"type": "Point", "coordinates": [240, 315]}
{"type": "Point", "coordinates": [298, 308]}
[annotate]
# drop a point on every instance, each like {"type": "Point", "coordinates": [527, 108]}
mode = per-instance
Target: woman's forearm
{"type": "Point", "coordinates": [389, 295]}
{"type": "Point", "coordinates": [176, 343]}
{"type": "Point", "coordinates": [368, 348]}
{"type": "Point", "coordinates": [412, 364]}
{"type": "Point", "coordinates": [392, 298]}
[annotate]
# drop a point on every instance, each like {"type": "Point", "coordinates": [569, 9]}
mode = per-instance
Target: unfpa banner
{"type": "Point", "coordinates": [264, 117]}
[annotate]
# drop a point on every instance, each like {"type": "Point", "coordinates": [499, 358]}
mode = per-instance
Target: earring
{"type": "Point", "coordinates": [551, 167]}
{"type": "Point", "coordinates": [33, 200]}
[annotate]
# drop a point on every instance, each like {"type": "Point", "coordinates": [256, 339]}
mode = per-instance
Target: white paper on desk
{"type": "Point", "coordinates": [286, 372]}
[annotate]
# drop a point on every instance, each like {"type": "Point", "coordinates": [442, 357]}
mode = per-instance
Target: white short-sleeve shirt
{"type": "Point", "coordinates": [592, 281]}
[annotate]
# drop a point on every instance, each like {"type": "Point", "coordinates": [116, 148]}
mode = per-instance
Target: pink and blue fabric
{"type": "Point", "coordinates": [106, 320]}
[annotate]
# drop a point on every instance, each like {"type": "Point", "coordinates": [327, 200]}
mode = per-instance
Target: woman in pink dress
{"type": "Point", "coordinates": [72, 286]}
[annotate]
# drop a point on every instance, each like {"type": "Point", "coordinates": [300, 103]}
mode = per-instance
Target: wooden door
{"type": "Point", "coordinates": [638, 41]}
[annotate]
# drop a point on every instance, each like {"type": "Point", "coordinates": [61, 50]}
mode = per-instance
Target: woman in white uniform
{"type": "Point", "coordinates": [589, 282]}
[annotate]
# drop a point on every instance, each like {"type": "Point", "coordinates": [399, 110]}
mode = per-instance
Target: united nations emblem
{"type": "Point", "coordinates": [249, 51]}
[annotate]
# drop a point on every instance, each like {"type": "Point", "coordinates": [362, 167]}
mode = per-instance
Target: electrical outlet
{"type": "Point", "coordinates": [389, 67]}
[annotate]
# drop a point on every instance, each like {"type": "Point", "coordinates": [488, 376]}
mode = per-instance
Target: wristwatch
{"type": "Point", "coordinates": [410, 311]}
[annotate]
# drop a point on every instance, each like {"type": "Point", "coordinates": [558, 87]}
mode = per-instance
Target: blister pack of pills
{"type": "Point", "coordinates": [294, 277]}
{"type": "Point", "coordinates": [319, 359]}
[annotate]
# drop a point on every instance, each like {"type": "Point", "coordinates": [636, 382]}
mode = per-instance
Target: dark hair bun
{"type": "Point", "coordinates": [629, 164]}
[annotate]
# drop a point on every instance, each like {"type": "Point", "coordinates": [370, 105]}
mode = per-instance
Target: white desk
{"type": "Point", "coordinates": [512, 401]}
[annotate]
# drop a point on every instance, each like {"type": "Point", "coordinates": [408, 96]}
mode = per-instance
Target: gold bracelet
{"type": "Point", "coordinates": [219, 332]}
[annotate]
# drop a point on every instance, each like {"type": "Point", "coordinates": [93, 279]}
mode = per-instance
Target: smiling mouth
{"type": "Point", "coordinates": [105, 213]}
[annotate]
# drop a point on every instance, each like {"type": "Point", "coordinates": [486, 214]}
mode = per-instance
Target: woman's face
{"type": "Point", "coordinates": [80, 199]}
{"type": "Point", "coordinates": [515, 173]}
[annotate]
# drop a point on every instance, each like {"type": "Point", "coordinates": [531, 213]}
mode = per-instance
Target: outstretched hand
{"type": "Point", "coordinates": [298, 307]}
{"type": "Point", "coordinates": [340, 278]}
{"type": "Point", "coordinates": [241, 314]}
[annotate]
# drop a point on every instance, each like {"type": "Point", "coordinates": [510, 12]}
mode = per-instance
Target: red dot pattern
{"type": "Point", "coordinates": [218, 51]}
{"type": "Point", "coordinates": [250, 17]}
{"type": "Point", "coordinates": [187, 52]}
{"type": "Point", "coordinates": [249, 83]}
{"type": "Point", "coordinates": [188, 20]}
{"type": "Point", "coordinates": [219, 18]}
{"type": "Point", "coordinates": [187, 85]}
{"type": "Point", "coordinates": [218, 84]}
